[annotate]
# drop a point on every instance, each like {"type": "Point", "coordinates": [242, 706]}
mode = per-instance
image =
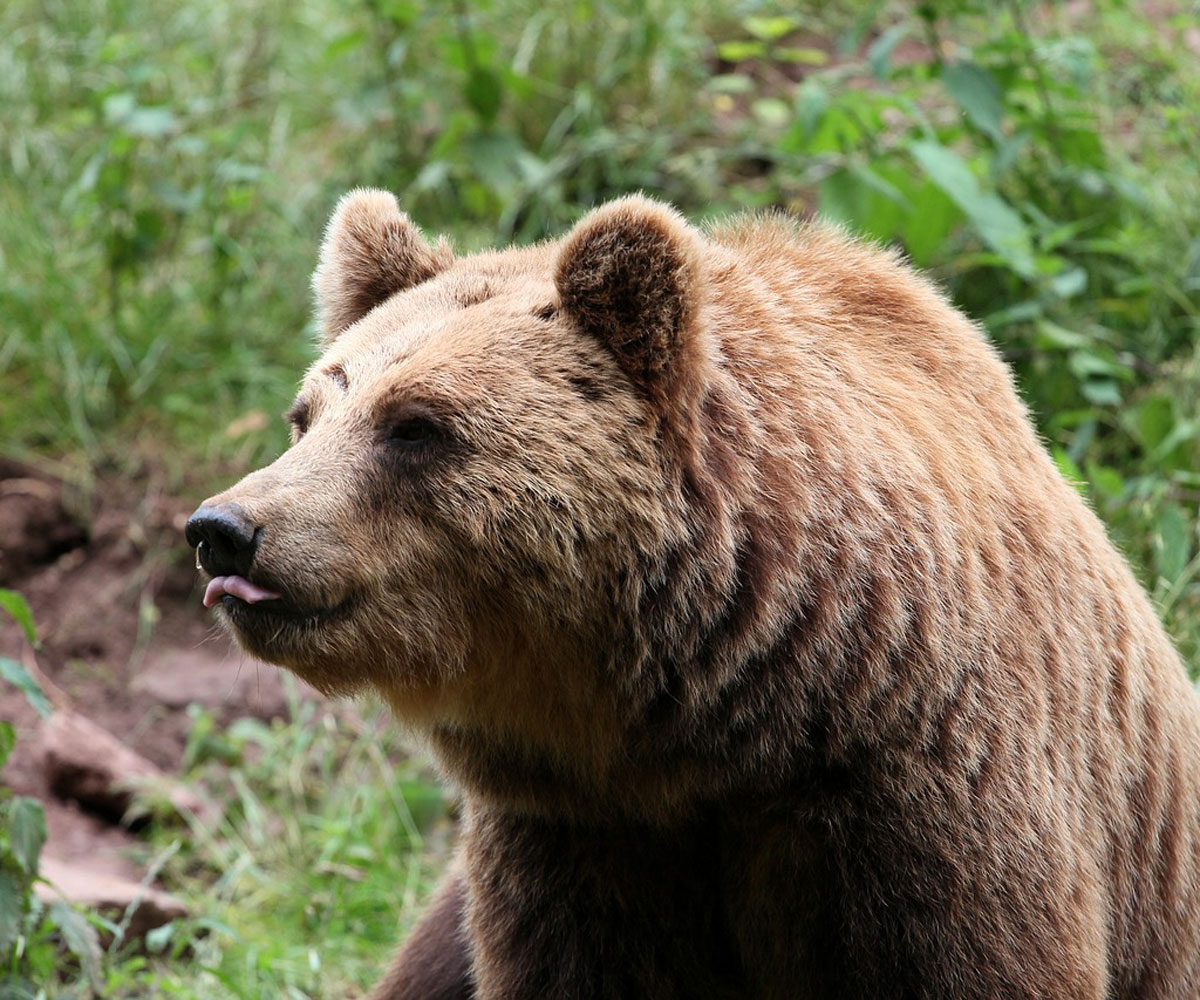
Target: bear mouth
{"type": "Point", "coordinates": [251, 607]}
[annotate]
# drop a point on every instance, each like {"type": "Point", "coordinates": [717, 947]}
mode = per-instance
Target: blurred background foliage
{"type": "Point", "coordinates": [166, 168]}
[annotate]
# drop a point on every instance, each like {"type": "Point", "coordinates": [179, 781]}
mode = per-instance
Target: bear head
{"type": "Point", "coordinates": [484, 474]}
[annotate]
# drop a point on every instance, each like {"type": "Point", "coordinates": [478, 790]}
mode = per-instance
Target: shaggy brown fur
{"type": "Point", "coordinates": [726, 577]}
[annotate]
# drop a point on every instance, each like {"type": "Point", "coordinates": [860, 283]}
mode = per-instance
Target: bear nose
{"type": "Point", "coordinates": [224, 538]}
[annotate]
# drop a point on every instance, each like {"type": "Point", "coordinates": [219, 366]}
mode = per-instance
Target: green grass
{"type": "Point", "coordinates": [166, 168]}
{"type": "Point", "coordinates": [164, 190]}
{"type": "Point", "coordinates": [318, 864]}
{"type": "Point", "coordinates": [325, 842]}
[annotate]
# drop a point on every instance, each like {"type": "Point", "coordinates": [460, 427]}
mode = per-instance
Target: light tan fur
{"type": "Point", "coordinates": [772, 654]}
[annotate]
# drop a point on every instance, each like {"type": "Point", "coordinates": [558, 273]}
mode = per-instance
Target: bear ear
{"type": "Point", "coordinates": [371, 251]}
{"type": "Point", "coordinates": [630, 273]}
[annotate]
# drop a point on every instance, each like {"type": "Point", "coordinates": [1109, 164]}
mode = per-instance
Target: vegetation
{"type": "Point", "coordinates": [311, 861]}
{"type": "Point", "coordinates": [166, 169]}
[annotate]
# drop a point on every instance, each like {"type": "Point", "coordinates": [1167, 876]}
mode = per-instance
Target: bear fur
{"type": "Point", "coordinates": [725, 576]}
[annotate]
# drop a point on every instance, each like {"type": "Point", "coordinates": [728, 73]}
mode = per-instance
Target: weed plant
{"type": "Point", "coordinates": [165, 169]}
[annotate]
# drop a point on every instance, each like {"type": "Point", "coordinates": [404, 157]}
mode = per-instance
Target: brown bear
{"type": "Point", "coordinates": [725, 576]}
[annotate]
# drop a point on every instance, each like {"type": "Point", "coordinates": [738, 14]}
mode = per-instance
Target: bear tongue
{"type": "Point", "coordinates": [235, 586]}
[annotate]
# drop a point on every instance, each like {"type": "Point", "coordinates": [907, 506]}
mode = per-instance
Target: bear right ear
{"type": "Point", "coordinates": [371, 251]}
{"type": "Point", "coordinates": [631, 274]}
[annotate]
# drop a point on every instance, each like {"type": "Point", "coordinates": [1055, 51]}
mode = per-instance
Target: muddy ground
{"type": "Point", "coordinates": [124, 638]}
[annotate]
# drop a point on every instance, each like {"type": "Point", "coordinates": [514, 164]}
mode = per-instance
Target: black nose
{"type": "Point", "coordinates": [224, 539]}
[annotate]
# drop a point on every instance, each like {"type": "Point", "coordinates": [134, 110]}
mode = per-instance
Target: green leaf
{"type": "Point", "coordinates": [80, 938]}
{"type": "Point", "coordinates": [27, 832]}
{"type": "Point", "coordinates": [848, 196]}
{"type": "Point", "coordinates": [8, 740]}
{"type": "Point", "coordinates": [879, 55]}
{"type": "Point", "coordinates": [799, 54]}
{"type": "Point", "coordinates": [930, 219]}
{"type": "Point", "coordinates": [347, 42]}
{"type": "Point", "coordinates": [150, 123]}
{"type": "Point", "coordinates": [1184, 430]}
{"type": "Point", "coordinates": [18, 607]}
{"type": "Point", "coordinates": [770, 28]}
{"type": "Point", "coordinates": [1087, 363]}
{"type": "Point", "coordinates": [158, 938]}
{"type": "Point", "coordinates": [484, 92]}
{"type": "Point", "coordinates": [118, 106]}
{"type": "Point", "coordinates": [978, 94]}
{"type": "Point", "coordinates": [11, 907]}
{"type": "Point", "coordinates": [1172, 548]}
{"type": "Point", "coordinates": [17, 675]}
{"type": "Point", "coordinates": [739, 51]}
{"type": "Point", "coordinates": [1051, 336]}
{"type": "Point", "coordinates": [1106, 480]}
{"type": "Point", "coordinates": [1070, 283]}
{"type": "Point", "coordinates": [1153, 421]}
{"type": "Point", "coordinates": [1101, 392]}
{"type": "Point", "coordinates": [994, 221]}
{"type": "Point", "coordinates": [771, 111]}
{"type": "Point", "coordinates": [401, 12]}
{"type": "Point", "coordinates": [731, 83]}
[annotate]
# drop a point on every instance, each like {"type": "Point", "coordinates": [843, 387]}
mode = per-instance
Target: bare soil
{"type": "Point", "coordinates": [123, 637]}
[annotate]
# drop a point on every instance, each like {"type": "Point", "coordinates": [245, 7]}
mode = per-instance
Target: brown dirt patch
{"type": "Point", "coordinates": [124, 638]}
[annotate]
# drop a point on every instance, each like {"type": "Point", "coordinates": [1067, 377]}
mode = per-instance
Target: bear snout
{"type": "Point", "coordinates": [225, 539]}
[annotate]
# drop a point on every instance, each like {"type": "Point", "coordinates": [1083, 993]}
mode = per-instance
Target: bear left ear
{"type": "Point", "coordinates": [371, 251]}
{"type": "Point", "coordinates": [630, 273]}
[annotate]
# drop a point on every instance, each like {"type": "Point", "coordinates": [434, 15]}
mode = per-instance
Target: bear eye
{"type": "Point", "coordinates": [298, 416]}
{"type": "Point", "coordinates": [412, 431]}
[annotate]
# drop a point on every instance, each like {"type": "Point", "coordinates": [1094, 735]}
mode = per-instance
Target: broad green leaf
{"type": "Point", "coordinates": [1184, 430]}
{"type": "Point", "coordinates": [993, 220]}
{"type": "Point", "coordinates": [925, 229]}
{"type": "Point", "coordinates": [18, 607]}
{"type": "Point", "coordinates": [739, 51]}
{"type": "Point", "coordinates": [1051, 336]}
{"type": "Point", "coordinates": [1087, 363]}
{"type": "Point", "coordinates": [770, 28]}
{"type": "Point", "coordinates": [27, 832]}
{"type": "Point", "coordinates": [16, 674]}
{"type": "Point", "coordinates": [1101, 392]}
{"type": "Point", "coordinates": [1153, 421]}
{"type": "Point", "coordinates": [1107, 480]}
{"type": "Point", "coordinates": [1018, 312]}
{"type": "Point", "coordinates": [1069, 283]}
{"type": "Point", "coordinates": [1172, 548]}
{"type": "Point", "coordinates": [978, 94]}
{"type": "Point", "coordinates": [846, 196]}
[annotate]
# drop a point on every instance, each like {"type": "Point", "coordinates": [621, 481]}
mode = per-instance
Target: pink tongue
{"type": "Point", "coordinates": [236, 586]}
